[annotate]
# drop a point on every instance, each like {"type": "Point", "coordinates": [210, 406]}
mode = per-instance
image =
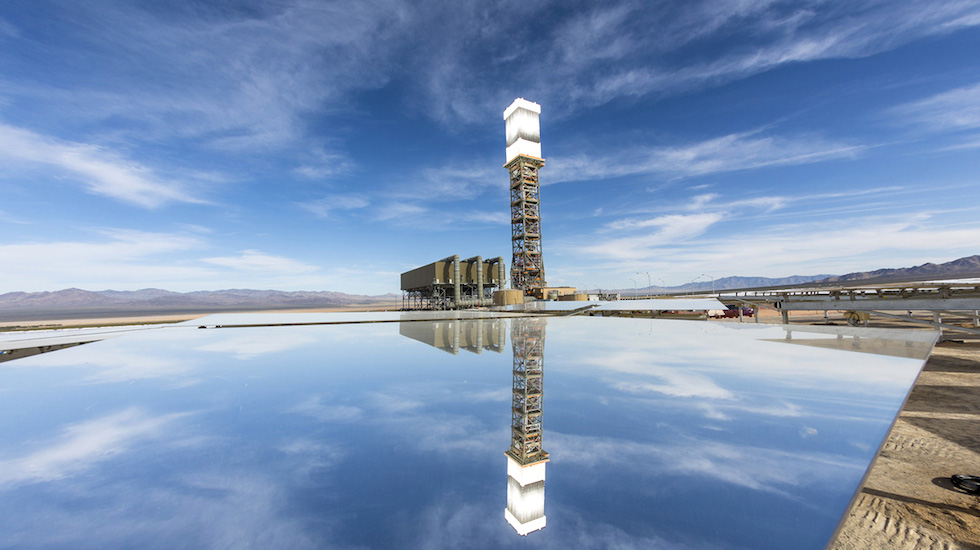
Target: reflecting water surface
{"type": "Point", "coordinates": [660, 434]}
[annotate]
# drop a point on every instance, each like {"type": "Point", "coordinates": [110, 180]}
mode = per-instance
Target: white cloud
{"type": "Point", "coordinates": [132, 260]}
{"type": "Point", "coordinates": [733, 152]}
{"type": "Point", "coordinates": [125, 259]}
{"type": "Point", "coordinates": [232, 80]}
{"type": "Point", "coordinates": [854, 244]}
{"type": "Point", "coordinates": [768, 35]}
{"type": "Point", "coordinates": [7, 29]}
{"type": "Point", "coordinates": [122, 245]}
{"type": "Point", "coordinates": [254, 260]}
{"type": "Point", "coordinates": [957, 109]}
{"type": "Point", "coordinates": [103, 172]}
{"type": "Point", "coordinates": [249, 81]}
{"type": "Point", "coordinates": [399, 211]}
{"type": "Point", "coordinates": [324, 164]}
{"type": "Point", "coordinates": [322, 208]}
{"type": "Point", "coordinates": [466, 179]}
{"type": "Point", "coordinates": [497, 218]}
{"type": "Point", "coordinates": [666, 230]}
{"type": "Point", "coordinates": [594, 56]}
{"type": "Point", "coordinates": [7, 218]}
{"type": "Point", "coordinates": [412, 214]}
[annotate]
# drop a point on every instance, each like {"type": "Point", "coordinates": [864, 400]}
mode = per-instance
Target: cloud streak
{"type": "Point", "coordinates": [729, 153]}
{"type": "Point", "coordinates": [132, 260]}
{"type": "Point", "coordinates": [953, 110]}
{"type": "Point", "coordinates": [102, 171]}
{"type": "Point", "coordinates": [256, 261]}
{"type": "Point", "coordinates": [784, 250]}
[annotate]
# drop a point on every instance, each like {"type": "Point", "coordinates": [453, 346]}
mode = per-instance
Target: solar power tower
{"type": "Point", "coordinates": [526, 458]}
{"type": "Point", "coordinates": [523, 162]}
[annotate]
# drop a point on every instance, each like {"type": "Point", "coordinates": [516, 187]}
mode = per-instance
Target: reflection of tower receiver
{"type": "Point", "coordinates": [526, 459]}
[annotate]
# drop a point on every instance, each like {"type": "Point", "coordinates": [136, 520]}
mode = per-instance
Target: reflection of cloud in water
{"type": "Point", "coordinates": [807, 431]}
{"type": "Point", "coordinates": [716, 350]}
{"type": "Point", "coordinates": [305, 456]}
{"type": "Point", "coordinates": [676, 382]}
{"type": "Point", "coordinates": [779, 409]}
{"type": "Point", "coordinates": [443, 433]}
{"type": "Point", "coordinates": [756, 468]}
{"type": "Point", "coordinates": [82, 445]}
{"type": "Point", "coordinates": [393, 403]}
{"type": "Point", "coordinates": [246, 345]}
{"type": "Point", "coordinates": [415, 415]}
{"type": "Point", "coordinates": [316, 408]}
{"type": "Point", "coordinates": [454, 523]}
{"type": "Point", "coordinates": [492, 396]}
{"type": "Point", "coordinates": [116, 363]}
{"type": "Point", "coordinates": [231, 509]}
{"type": "Point", "coordinates": [734, 373]}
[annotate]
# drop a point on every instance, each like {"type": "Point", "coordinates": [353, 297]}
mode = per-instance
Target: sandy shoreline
{"type": "Point", "coordinates": [907, 501]}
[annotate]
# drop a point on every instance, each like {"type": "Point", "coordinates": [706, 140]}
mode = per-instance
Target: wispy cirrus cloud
{"type": "Point", "coordinates": [122, 244]}
{"type": "Point", "coordinates": [100, 170]}
{"type": "Point", "coordinates": [729, 153]}
{"type": "Point", "coordinates": [953, 110]}
{"type": "Point", "coordinates": [597, 55]}
{"type": "Point", "coordinates": [247, 77]}
{"type": "Point", "coordinates": [855, 244]}
{"type": "Point", "coordinates": [324, 207]}
{"type": "Point", "coordinates": [413, 214]}
{"type": "Point", "coordinates": [254, 260]}
{"type": "Point", "coordinates": [659, 231]}
{"type": "Point", "coordinates": [234, 79]}
{"type": "Point", "coordinates": [132, 260]}
{"type": "Point", "coordinates": [8, 30]}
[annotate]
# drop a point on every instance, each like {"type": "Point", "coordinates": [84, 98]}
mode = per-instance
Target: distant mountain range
{"type": "Point", "coordinates": [963, 267]}
{"type": "Point", "coordinates": [74, 303]}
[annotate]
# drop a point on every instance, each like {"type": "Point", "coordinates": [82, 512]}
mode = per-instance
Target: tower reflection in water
{"type": "Point", "coordinates": [526, 458]}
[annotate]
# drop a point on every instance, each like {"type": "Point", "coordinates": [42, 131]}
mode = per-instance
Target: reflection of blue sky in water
{"type": "Point", "coordinates": [662, 434]}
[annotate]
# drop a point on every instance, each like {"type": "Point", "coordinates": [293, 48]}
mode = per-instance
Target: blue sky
{"type": "Point", "coordinates": [315, 145]}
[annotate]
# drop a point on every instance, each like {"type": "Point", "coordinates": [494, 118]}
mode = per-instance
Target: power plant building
{"type": "Point", "coordinates": [452, 283]}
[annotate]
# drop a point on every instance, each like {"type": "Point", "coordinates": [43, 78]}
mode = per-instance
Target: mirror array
{"type": "Point", "coordinates": [664, 434]}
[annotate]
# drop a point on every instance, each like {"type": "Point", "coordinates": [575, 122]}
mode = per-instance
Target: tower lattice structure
{"type": "Point", "coordinates": [527, 402]}
{"type": "Point", "coordinates": [526, 458]}
{"type": "Point", "coordinates": [527, 265]}
{"type": "Point", "coordinates": [524, 161]}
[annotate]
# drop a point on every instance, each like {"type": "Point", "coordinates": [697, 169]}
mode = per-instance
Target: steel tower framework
{"type": "Point", "coordinates": [527, 266]}
{"type": "Point", "coordinates": [523, 163]}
